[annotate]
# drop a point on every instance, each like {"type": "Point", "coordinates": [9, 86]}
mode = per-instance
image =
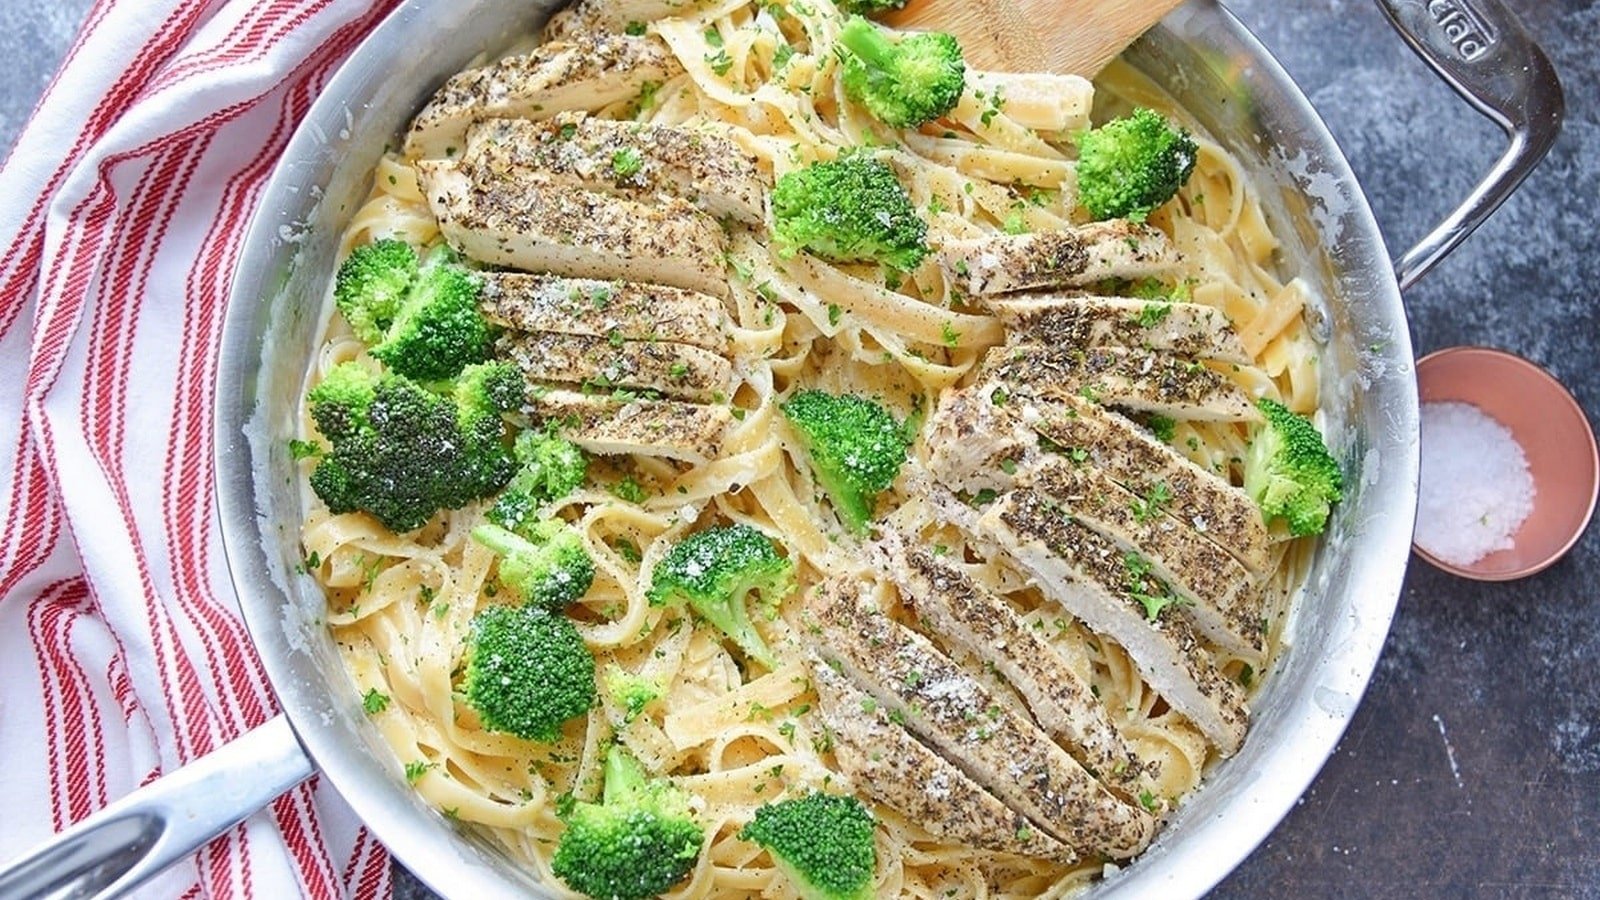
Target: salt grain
{"type": "Point", "coordinates": [1475, 487]}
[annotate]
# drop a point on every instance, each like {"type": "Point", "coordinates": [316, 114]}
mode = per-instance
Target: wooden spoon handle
{"type": "Point", "coordinates": [1067, 36]}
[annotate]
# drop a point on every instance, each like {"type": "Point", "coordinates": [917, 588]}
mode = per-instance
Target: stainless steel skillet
{"type": "Point", "coordinates": [1200, 54]}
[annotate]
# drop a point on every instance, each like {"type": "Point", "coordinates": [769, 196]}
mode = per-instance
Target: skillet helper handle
{"type": "Point", "coordinates": [117, 848]}
{"type": "Point", "coordinates": [1480, 49]}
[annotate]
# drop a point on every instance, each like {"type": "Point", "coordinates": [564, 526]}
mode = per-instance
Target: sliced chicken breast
{"type": "Point", "coordinates": [1142, 380]}
{"type": "Point", "coordinates": [536, 223]}
{"type": "Point", "coordinates": [607, 424]}
{"type": "Point", "coordinates": [586, 17]}
{"type": "Point", "coordinates": [974, 439]}
{"type": "Point", "coordinates": [672, 370]}
{"type": "Point", "coordinates": [589, 72]}
{"type": "Point", "coordinates": [635, 310]}
{"type": "Point", "coordinates": [894, 768]}
{"type": "Point", "coordinates": [1133, 458]}
{"type": "Point", "coordinates": [978, 445]}
{"type": "Point", "coordinates": [1222, 600]}
{"type": "Point", "coordinates": [1075, 257]}
{"type": "Point", "coordinates": [629, 159]}
{"type": "Point", "coordinates": [1058, 320]}
{"type": "Point", "coordinates": [1090, 576]}
{"type": "Point", "coordinates": [956, 715]}
{"type": "Point", "coordinates": [959, 609]}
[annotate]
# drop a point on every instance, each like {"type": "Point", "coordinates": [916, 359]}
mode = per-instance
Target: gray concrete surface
{"type": "Point", "coordinates": [1472, 766]}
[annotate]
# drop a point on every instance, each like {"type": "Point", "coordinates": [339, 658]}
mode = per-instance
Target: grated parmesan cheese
{"type": "Point", "coordinates": [1475, 489]}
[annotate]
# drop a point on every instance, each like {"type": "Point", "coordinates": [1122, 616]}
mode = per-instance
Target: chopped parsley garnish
{"type": "Point", "coordinates": [1150, 506]}
{"type": "Point", "coordinates": [626, 162]}
{"type": "Point", "coordinates": [627, 549]}
{"type": "Point", "coordinates": [950, 335]}
{"type": "Point", "coordinates": [1144, 587]}
{"type": "Point", "coordinates": [630, 489]}
{"type": "Point", "coordinates": [1154, 314]}
{"type": "Point", "coordinates": [647, 95]}
{"type": "Point", "coordinates": [374, 701]}
{"type": "Point", "coordinates": [1163, 427]}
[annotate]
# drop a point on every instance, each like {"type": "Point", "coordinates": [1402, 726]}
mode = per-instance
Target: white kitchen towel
{"type": "Point", "coordinates": [122, 208]}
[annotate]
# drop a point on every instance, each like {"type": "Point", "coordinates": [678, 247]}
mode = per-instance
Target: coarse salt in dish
{"type": "Point", "coordinates": [1475, 488]}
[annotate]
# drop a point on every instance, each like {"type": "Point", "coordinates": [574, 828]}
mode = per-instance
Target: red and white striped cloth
{"type": "Point", "coordinates": [122, 208]}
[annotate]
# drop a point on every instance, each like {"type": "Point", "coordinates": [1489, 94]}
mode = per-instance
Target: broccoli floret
{"type": "Point", "coordinates": [370, 285]}
{"type": "Point", "coordinates": [544, 563]}
{"type": "Point", "coordinates": [856, 449]}
{"type": "Point", "coordinates": [901, 83]}
{"type": "Point", "coordinates": [714, 569]}
{"type": "Point", "coordinates": [1289, 472]}
{"type": "Point", "coordinates": [851, 209]}
{"type": "Point", "coordinates": [438, 328]}
{"type": "Point", "coordinates": [1129, 166]}
{"type": "Point", "coordinates": [640, 840]}
{"type": "Point", "coordinates": [527, 671]}
{"type": "Point", "coordinates": [869, 7]}
{"type": "Point", "coordinates": [822, 842]}
{"type": "Point", "coordinates": [402, 452]}
{"type": "Point", "coordinates": [551, 468]}
{"type": "Point", "coordinates": [421, 321]}
{"type": "Point", "coordinates": [629, 691]}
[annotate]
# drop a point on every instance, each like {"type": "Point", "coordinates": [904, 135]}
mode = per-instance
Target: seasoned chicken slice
{"type": "Point", "coordinates": [536, 223]}
{"type": "Point", "coordinates": [672, 370]}
{"type": "Point", "coordinates": [977, 437]}
{"type": "Point", "coordinates": [976, 445]}
{"type": "Point", "coordinates": [589, 72]}
{"type": "Point", "coordinates": [1143, 380]}
{"type": "Point", "coordinates": [956, 715]}
{"type": "Point", "coordinates": [974, 440]}
{"type": "Point", "coordinates": [1092, 579]}
{"type": "Point", "coordinates": [1075, 257]}
{"type": "Point", "coordinates": [606, 424]}
{"type": "Point", "coordinates": [893, 767]}
{"type": "Point", "coordinates": [963, 611]}
{"type": "Point", "coordinates": [634, 310]}
{"type": "Point", "coordinates": [1128, 454]}
{"type": "Point", "coordinates": [1056, 320]}
{"type": "Point", "coordinates": [629, 159]}
{"type": "Point", "coordinates": [588, 16]}
{"type": "Point", "coordinates": [1221, 598]}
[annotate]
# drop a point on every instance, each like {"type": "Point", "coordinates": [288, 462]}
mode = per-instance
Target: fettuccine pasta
{"type": "Point", "coordinates": [734, 734]}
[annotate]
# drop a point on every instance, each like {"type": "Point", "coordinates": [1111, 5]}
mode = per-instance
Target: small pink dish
{"type": "Point", "coordinates": [1556, 437]}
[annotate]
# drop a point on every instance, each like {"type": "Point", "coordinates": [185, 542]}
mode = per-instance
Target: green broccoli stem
{"type": "Point", "coordinates": [624, 775]}
{"type": "Point", "coordinates": [501, 540]}
{"type": "Point", "coordinates": [868, 42]}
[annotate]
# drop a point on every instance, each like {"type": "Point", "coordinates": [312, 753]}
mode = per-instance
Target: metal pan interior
{"type": "Point", "coordinates": [1215, 70]}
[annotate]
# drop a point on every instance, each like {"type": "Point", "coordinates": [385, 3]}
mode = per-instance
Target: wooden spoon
{"type": "Point", "coordinates": [1076, 37]}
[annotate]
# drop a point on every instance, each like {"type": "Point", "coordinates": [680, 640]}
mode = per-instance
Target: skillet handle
{"type": "Point", "coordinates": [1480, 49]}
{"type": "Point", "coordinates": [117, 848]}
